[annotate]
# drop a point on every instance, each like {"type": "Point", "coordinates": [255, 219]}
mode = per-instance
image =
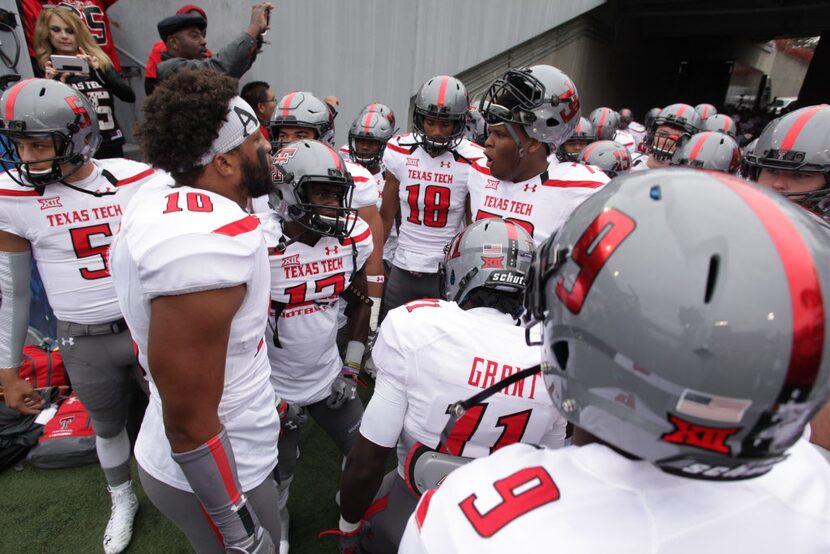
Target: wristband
{"type": "Point", "coordinates": [354, 354]}
{"type": "Point", "coordinates": [374, 314]}
{"type": "Point", "coordinates": [380, 279]}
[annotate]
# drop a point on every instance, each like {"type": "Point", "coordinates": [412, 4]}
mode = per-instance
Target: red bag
{"type": "Point", "coordinates": [42, 368]}
{"type": "Point", "coordinates": [68, 438]}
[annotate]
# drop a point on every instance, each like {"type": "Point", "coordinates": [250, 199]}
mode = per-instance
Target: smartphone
{"type": "Point", "coordinates": [268, 20]}
{"type": "Point", "coordinates": [70, 64]}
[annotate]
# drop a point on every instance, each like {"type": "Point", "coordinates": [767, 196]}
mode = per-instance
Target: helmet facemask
{"type": "Point", "coordinates": [435, 145]}
{"type": "Point", "coordinates": [366, 159]}
{"type": "Point", "coordinates": [339, 224]}
{"type": "Point", "coordinates": [25, 175]}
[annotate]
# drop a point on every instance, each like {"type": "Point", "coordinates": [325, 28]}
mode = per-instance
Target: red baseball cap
{"type": "Point", "coordinates": [187, 8]}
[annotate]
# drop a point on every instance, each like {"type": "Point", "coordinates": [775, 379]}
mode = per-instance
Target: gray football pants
{"type": "Point", "coordinates": [183, 509]}
{"type": "Point", "coordinates": [387, 523]}
{"type": "Point", "coordinates": [341, 425]}
{"type": "Point", "coordinates": [405, 286]}
{"type": "Point", "coordinates": [100, 364]}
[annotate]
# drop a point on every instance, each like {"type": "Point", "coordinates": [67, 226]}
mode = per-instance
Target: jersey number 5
{"type": "Point", "coordinates": [82, 244]}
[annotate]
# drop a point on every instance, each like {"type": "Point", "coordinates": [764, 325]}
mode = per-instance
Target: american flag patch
{"type": "Point", "coordinates": [492, 250]}
{"type": "Point", "coordinates": [713, 408]}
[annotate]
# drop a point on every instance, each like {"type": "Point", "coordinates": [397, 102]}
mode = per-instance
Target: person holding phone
{"type": "Point", "coordinates": [60, 32]}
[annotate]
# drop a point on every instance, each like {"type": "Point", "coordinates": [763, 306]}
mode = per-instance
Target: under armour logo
{"type": "Point", "coordinates": [448, 164]}
{"type": "Point", "coordinates": [70, 341]}
{"type": "Point", "coordinates": [331, 250]}
{"type": "Point", "coordinates": [700, 436]}
{"type": "Point", "coordinates": [531, 188]}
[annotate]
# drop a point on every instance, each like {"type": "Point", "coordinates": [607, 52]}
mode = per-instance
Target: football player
{"type": "Point", "coordinates": [61, 208]}
{"type": "Point", "coordinates": [426, 189]}
{"type": "Point", "coordinates": [582, 136]}
{"type": "Point", "coordinates": [791, 157]}
{"type": "Point", "coordinates": [611, 157]}
{"type": "Point", "coordinates": [190, 269]}
{"type": "Point", "coordinates": [636, 129]}
{"type": "Point", "coordinates": [705, 111]}
{"type": "Point", "coordinates": [722, 124]}
{"type": "Point", "coordinates": [710, 150]}
{"type": "Point", "coordinates": [368, 135]}
{"type": "Point", "coordinates": [431, 353]}
{"type": "Point", "coordinates": [301, 115]}
{"type": "Point", "coordinates": [669, 130]}
{"type": "Point", "coordinates": [688, 440]}
{"type": "Point", "coordinates": [532, 111]}
{"type": "Point", "coordinates": [322, 257]}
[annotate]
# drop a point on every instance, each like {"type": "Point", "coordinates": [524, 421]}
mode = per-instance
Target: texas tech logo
{"type": "Point", "coordinates": [48, 203]}
{"type": "Point", "coordinates": [700, 436]}
{"type": "Point", "coordinates": [284, 154]}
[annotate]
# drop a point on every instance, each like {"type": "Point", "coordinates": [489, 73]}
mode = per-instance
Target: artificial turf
{"type": "Point", "coordinates": [66, 510]}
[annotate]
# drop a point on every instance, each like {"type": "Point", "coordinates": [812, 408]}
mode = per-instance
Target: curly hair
{"type": "Point", "coordinates": [182, 118]}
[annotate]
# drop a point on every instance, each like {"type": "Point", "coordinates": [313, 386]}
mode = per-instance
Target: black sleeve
{"type": "Point", "coordinates": [113, 82]}
{"type": "Point", "coordinates": [149, 85]}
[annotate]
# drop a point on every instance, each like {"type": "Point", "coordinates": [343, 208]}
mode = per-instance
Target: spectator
{"type": "Point", "coordinates": [59, 31]}
{"type": "Point", "coordinates": [261, 98]}
{"type": "Point", "coordinates": [159, 47]}
{"type": "Point", "coordinates": [186, 45]}
{"type": "Point", "coordinates": [92, 12]}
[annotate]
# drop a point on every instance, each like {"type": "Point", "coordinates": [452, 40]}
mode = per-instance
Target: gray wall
{"type": "Point", "coordinates": [360, 50]}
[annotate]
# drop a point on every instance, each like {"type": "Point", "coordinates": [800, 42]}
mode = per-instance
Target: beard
{"type": "Point", "coordinates": [256, 176]}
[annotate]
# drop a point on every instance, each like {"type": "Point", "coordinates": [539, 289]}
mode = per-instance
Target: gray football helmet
{"type": "Point", "coordinates": [706, 111]}
{"type": "Point", "coordinates": [540, 98]}
{"type": "Point", "coordinates": [490, 253]}
{"type": "Point", "coordinates": [708, 371]}
{"type": "Point", "coordinates": [650, 116]}
{"type": "Point", "coordinates": [476, 127]}
{"type": "Point", "coordinates": [748, 150]}
{"type": "Point", "coordinates": [605, 122]}
{"type": "Point", "coordinates": [441, 97]}
{"type": "Point", "coordinates": [683, 119]}
{"type": "Point", "coordinates": [302, 109]}
{"type": "Point", "coordinates": [720, 123]}
{"type": "Point", "coordinates": [797, 141]}
{"type": "Point", "coordinates": [383, 110]}
{"type": "Point", "coordinates": [371, 126]}
{"type": "Point", "coordinates": [710, 150]}
{"type": "Point", "coordinates": [626, 117]}
{"type": "Point", "coordinates": [304, 162]}
{"type": "Point", "coordinates": [45, 108]}
{"type": "Point", "coordinates": [582, 136]}
{"type": "Point", "coordinates": [611, 157]}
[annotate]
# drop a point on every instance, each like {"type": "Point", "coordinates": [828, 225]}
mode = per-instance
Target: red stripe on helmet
{"type": "Point", "coordinates": [681, 109]}
{"type": "Point", "coordinates": [372, 107]}
{"type": "Point", "coordinates": [13, 92]}
{"type": "Point", "coordinates": [338, 163]}
{"type": "Point", "coordinates": [699, 144]}
{"type": "Point", "coordinates": [442, 90]}
{"type": "Point", "coordinates": [286, 105]}
{"type": "Point", "coordinates": [727, 123]}
{"type": "Point", "coordinates": [512, 232]}
{"type": "Point", "coordinates": [795, 130]}
{"type": "Point", "coordinates": [220, 458]}
{"type": "Point", "coordinates": [806, 297]}
{"type": "Point", "coordinates": [366, 121]}
{"type": "Point", "coordinates": [587, 151]}
{"type": "Point", "coordinates": [603, 115]}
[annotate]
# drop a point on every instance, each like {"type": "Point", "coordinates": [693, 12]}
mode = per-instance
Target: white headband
{"type": "Point", "coordinates": [239, 124]}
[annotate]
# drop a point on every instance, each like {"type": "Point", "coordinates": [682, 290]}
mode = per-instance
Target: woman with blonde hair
{"type": "Point", "coordinates": [60, 31]}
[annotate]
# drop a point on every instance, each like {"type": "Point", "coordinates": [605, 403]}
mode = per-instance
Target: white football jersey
{"type": "Point", "coordinates": [365, 188]}
{"type": "Point", "coordinates": [626, 138]}
{"type": "Point", "coordinates": [591, 499]}
{"type": "Point", "coordinates": [307, 282]}
{"type": "Point", "coordinates": [183, 240]}
{"type": "Point", "coordinates": [431, 354]}
{"type": "Point", "coordinates": [638, 131]}
{"type": "Point", "coordinates": [70, 233]}
{"type": "Point", "coordinates": [432, 194]}
{"type": "Point", "coordinates": [541, 205]}
{"type": "Point", "coordinates": [639, 162]}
